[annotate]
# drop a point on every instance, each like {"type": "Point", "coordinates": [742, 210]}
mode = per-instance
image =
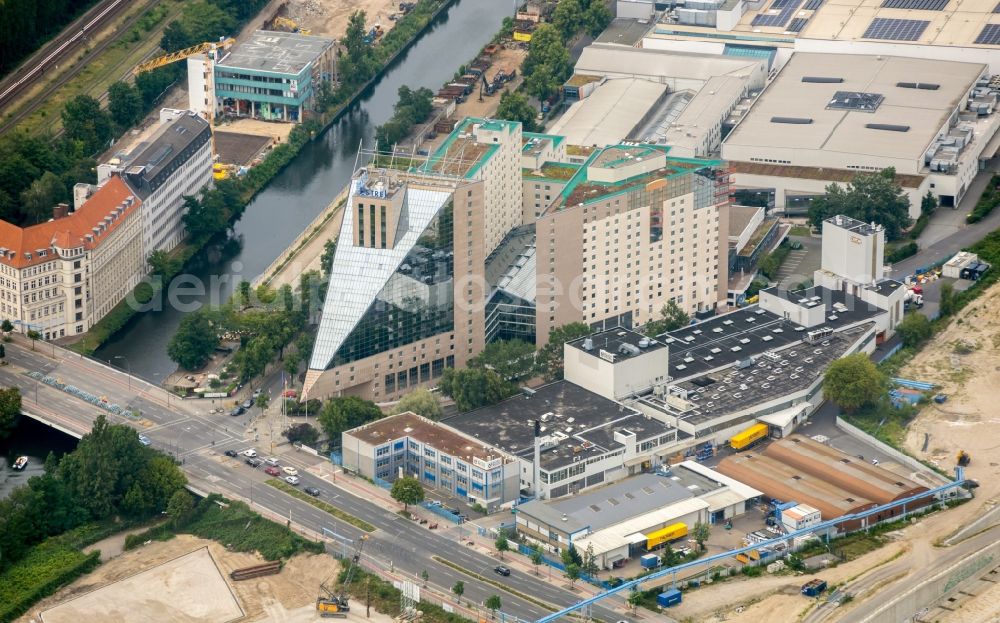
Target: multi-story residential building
{"type": "Point", "coordinates": [176, 161]}
{"type": "Point", "coordinates": [630, 231]}
{"type": "Point", "coordinates": [441, 457]}
{"type": "Point", "coordinates": [62, 276]}
{"type": "Point", "coordinates": [272, 76]}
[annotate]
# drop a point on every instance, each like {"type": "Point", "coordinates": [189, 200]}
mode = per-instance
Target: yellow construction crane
{"type": "Point", "coordinates": [180, 55]}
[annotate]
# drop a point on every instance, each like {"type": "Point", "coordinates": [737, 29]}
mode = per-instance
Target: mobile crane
{"type": "Point", "coordinates": [334, 605]}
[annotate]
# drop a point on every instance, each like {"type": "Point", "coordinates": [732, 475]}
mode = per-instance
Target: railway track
{"type": "Point", "coordinates": [66, 45]}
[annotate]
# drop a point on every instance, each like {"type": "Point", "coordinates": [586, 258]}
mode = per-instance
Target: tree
{"type": "Point", "coordinates": [946, 301]}
{"type": "Point", "coordinates": [175, 37]}
{"type": "Point", "coordinates": [515, 106]}
{"type": "Point", "coordinates": [596, 18]}
{"type": "Point", "coordinates": [928, 204]}
{"type": "Point", "coordinates": [550, 357]}
{"type": "Point", "coordinates": [6, 326]}
{"type": "Point", "coordinates": [634, 599]}
{"type": "Point", "coordinates": [291, 365]}
{"type": "Point", "coordinates": [570, 556]}
{"type": "Point", "coordinates": [458, 589]}
{"type": "Point", "coordinates": [853, 381]}
{"type": "Point", "coordinates": [672, 317]}
{"type": "Point", "coordinates": [125, 104]}
{"type": "Point", "coordinates": [512, 360]}
{"type": "Point", "coordinates": [85, 122]}
{"type": "Point", "coordinates": [669, 557]}
{"type": "Point", "coordinates": [10, 409]}
{"type": "Point", "coordinates": [536, 558]}
{"type": "Point", "coordinates": [573, 572]}
{"type": "Point", "coordinates": [502, 544]}
{"type": "Point", "coordinates": [3, 351]}
{"type": "Point", "coordinates": [263, 400]}
{"type": "Point", "coordinates": [420, 401]}
{"type": "Point", "coordinates": [179, 507]}
{"type": "Point", "coordinates": [33, 335]}
{"type": "Point", "coordinates": [547, 65]}
{"type": "Point", "coordinates": [244, 293]}
{"type": "Point", "coordinates": [407, 490]}
{"type": "Point", "coordinates": [568, 18]}
{"type": "Point", "coordinates": [493, 604]}
{"type": "Point", "coordinates": [701, 531]}
{"type": "Point", "coordinates": [204, 218]}
{"type": "Point", "coordinates": [346, 412]}
{"type": "Point", "coordinates": [425, 576]}
{"type": "Point", "coordinates": [473, 388]}
{"type": "Point", "coordinates": [915, 329]}
{"type": "Point", "coordinates": [870, 198]}
{"type": "Point", "coordinates": [37, 201]}
{"type": "Point", "coordinates": [589, 565]}
{"type": "Point", "coordinates": [195, 341]}
{"type": "Point", "coordinates": [305, 434]}
{"type": "Point", "coordinates": [163, 264]}
{"type": "Point", "coordinates": [326, 260]}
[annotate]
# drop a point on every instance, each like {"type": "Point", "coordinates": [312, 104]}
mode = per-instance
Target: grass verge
{"type": "Point", "coordinates": [800, 230]}
{"type": "Point", "coordinates": [326, 507]}
{"type": "Point", "coordinates": [494, 583]}
{"type": "Point", "coordinates": [385, 598]}
{"type": "Point", "coordinates": [236, 526]}
{"type": "Point", "coordinates": [47, 567]}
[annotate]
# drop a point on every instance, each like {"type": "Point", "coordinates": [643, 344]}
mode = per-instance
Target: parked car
{"type": "Point", "coordinates": [250, 452]}
{"type": "Point", "coordinates": [291, 471]}
{"type": "Point", "coordinates": [272, 471]}
{"type": "Point", "coordinates": [252, 462]}
{"type": "Point", "coordinates": [232, 453]}
{"type": "Point", "coordinates": [271, 461]}
{"type": "Point", "coordinates": [501, 570]}
{"type": "Point", "coordinates": [292, 480]}
{"type": "Point", "coordinates": [257, 392]}
{"type": "Point", "coordinates": [144, 440]}
{"type": "Point", "coordinates": [237, 411]}
{"type": "Point", "coordinates": [247, 403]}
{"type": "Point", "coordinates": [313, 491]}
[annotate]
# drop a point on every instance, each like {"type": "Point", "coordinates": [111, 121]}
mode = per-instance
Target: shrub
{"type": "Point", "coordinates": [901, 252]}
{"type": "Point", "coordinates": [47, 567]}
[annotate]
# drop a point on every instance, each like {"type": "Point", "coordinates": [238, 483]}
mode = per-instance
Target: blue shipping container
{"type": "Point", "coordinates": [649, 561]}
{"type": "Point", "coordinates": [669, 597]}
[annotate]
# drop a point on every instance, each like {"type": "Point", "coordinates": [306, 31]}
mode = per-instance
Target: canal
{"type": "Point", "coordinates": [295, 196]}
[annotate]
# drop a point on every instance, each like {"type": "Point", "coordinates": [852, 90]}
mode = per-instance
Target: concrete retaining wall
{"type": "Point", "coordinates": [907, 607]}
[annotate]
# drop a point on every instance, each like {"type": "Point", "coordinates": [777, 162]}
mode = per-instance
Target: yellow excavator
{"type": "Point", "coordinates": [337, 605]}
{"type": "Point", "coordinates": [180, 55]}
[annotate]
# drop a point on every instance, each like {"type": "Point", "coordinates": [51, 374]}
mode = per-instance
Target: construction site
{"type": "Point", "coordinates": [191, 579]}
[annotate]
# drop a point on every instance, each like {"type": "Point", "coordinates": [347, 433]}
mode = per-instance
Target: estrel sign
{"type": "Point", "coordinates": [855, 240]}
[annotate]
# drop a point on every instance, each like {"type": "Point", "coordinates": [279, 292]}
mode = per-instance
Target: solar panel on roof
{"type": "Point", "coordinates": [919, 5]}
{"type": "Point", "coordinates": [889, 29]}
{"type": "Point", "coordinates": [785, 8]}
{"type": "Point", "coordinates": [996, 9]}
{"type": "Point", "coordinates": [797, 24]}
{"type": "Point", "coordinates": [990, 35]}
{"type": "Point", "coordinates": [812, 5]}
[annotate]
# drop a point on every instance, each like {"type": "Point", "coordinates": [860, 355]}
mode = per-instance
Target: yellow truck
{"type": "Point", "coordinates": [745, 439]}
{"type": "Point", "coordinates": [664, 535]}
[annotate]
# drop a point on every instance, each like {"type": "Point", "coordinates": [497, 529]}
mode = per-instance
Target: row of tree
{"type": "Point", "coordinates": [412, 107]}
{"type": "Point", "coordinates": [110, 474]}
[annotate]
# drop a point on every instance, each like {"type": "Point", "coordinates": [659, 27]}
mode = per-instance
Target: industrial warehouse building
{"type": "Point", "coordinates": [827, 117]}
{"type": "Point", "coordinates": [799, 469]}
{"type": "Point", "coordinates": [627, 519]}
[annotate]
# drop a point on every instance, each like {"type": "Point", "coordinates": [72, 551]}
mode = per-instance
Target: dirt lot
{"type": "Point", "coordinates": [186, 579]}
{"type": "Point", "coordinates": [965, 361]}
{"type": "Point", "coordinates": [328, 18]}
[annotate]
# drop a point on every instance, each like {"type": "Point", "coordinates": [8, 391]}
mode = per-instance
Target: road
{"type": "Point", "coordinates": [198, 439]}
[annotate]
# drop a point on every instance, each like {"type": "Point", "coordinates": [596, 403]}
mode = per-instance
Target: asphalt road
{"type": "Point", "coordinates": [198, 439]}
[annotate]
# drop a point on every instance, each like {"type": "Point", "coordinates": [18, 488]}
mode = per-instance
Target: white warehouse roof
{"type": "Point", "coordinates": [626, 532]}
{"type": "Point", "coordinates": [608, 115]}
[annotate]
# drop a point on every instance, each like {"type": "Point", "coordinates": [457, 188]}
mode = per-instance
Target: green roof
{"type": "Point", "coordinates": [462, 128]}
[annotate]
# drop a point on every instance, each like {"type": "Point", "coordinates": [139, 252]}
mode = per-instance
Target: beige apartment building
{"type": "Point", "coordinates": [62, 276]}
{"type": "Point", "coordinates": [632, 230]}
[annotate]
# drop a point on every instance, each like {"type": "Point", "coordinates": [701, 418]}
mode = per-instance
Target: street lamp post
{"type": "Point", "coordinates": [128, 366]}
{"type": "Point", "coordinates": [177, 440]}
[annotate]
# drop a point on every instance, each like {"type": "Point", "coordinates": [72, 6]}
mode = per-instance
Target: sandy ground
{"type": "Point", "coordinates": [187, 588]}
{"type": "Point", "coordinates": [278, 132]}
{"type": "Point", "coordinates": [186, 579]}
{"type": "Point", "coordinates": [968, 420]}
{"type": "Point", "coordinates": [329, 17]}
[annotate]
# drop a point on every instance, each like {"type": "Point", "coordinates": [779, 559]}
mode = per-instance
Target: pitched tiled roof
{"type": "Point", "coordinates": [70, 231]}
